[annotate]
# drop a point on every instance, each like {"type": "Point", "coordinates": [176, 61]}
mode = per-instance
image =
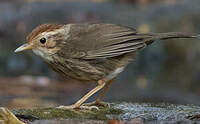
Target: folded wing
{"type": "Point", "coordinates": [105, 40]}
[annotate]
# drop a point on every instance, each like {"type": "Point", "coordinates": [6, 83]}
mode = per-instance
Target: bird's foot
{"type": "Point", "coordinates": [83, 107]}
{"type": "Point", "coordinates": [96, 103]}
{"type": "Point", "coordinates": [67, 107]}
{"type": "Point", "coordinates": [89, 107]}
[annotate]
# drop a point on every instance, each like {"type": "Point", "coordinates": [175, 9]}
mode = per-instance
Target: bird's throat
{"type": "Point", "coordinates": [42, 54]}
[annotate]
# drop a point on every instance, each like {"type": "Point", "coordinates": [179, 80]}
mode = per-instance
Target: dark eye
{"type": "Point", "coordinates": [43, 40]}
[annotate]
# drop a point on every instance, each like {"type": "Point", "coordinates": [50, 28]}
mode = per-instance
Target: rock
{"type": "Point", "coordinates": [117, 113]}
{"type": "Point", "coordinates": [7, 117]}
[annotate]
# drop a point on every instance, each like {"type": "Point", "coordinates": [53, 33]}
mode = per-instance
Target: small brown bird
{"type": "Point", "coordinates": [90, 52]}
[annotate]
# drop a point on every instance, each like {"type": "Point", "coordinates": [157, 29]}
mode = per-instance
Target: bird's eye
{"type": "Point", "coordinates": [43, 40]}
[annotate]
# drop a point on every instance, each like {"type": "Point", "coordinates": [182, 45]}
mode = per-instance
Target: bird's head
{"type": "Point", "coordinates": [44, 39]}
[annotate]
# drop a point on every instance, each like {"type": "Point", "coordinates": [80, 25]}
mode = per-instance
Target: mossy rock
{"type": "Point", "coordinates": [54, 113]}
{"type": "Point", "coordinates": [148, 112]}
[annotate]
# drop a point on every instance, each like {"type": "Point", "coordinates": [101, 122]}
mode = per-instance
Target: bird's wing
{"type": "Point", "coordinates": [93, 41]}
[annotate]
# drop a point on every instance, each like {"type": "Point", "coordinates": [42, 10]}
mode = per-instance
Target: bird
{"type": "Point", "coordinates": [90, 52]}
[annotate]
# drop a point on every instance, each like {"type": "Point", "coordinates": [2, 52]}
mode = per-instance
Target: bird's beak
{"type": "Point", "coordinates": [23, 47]}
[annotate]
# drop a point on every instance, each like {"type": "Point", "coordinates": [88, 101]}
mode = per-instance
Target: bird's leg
{"type": "Point", "coordinates": [100, 97]}
{"type": "Point", "coordinates": [78, 104]}
{"type": "Point", "coordinates": [98, 101]}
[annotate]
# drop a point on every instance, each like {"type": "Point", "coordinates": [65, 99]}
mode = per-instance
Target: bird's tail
{"type": "Point", "coordinates": [171, 35]}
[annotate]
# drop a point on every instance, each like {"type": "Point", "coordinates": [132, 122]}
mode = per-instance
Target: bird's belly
{"type": "Point", "coordinates": [90, 71]}
{"type": "Point", "coordinates": [86, 76]}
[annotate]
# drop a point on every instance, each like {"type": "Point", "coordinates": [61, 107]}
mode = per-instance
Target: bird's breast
{"type": "Point", "coordinates": [75, 69]}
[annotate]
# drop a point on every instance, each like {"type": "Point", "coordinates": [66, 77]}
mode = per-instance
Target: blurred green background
{"type": "Point", "coordinates": [166, 71]}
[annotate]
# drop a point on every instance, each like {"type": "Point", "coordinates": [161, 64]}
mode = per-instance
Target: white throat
{"type": "Point", "coordinates": [42, 54]}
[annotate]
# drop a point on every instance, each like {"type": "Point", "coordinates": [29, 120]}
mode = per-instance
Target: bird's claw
{"type": "Point", "coordinates": [89, 107]}
{"type": "Point", "coordinates": [66, 107]}
{"type": "Point", "coordinates": [83, 107]}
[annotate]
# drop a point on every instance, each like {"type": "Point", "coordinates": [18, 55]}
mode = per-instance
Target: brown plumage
{"type": "Point", "coordinates": [91, 52]}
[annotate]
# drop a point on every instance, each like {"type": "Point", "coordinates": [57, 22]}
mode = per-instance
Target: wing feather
{"type": "Point", "coordinates": [117, 43]}
{"type": "Point", "coordinates": [114, 50]}
{"type": "Point", "coordinates": [113, 53]}
{"type": "Point", "coordinates": [94, 41]}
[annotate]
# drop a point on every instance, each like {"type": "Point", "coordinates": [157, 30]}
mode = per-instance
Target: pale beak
{"type": "Point", "coordinates": [23, 47]}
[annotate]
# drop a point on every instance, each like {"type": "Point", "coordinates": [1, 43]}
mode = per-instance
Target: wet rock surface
{"type": "Point", "coordinates": [117, 113]}
{"type": "Point", "coordinates": [157, 112]}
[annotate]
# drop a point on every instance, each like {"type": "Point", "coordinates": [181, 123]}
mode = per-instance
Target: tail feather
{"type": "Point", "coordinates": [170, 35]}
